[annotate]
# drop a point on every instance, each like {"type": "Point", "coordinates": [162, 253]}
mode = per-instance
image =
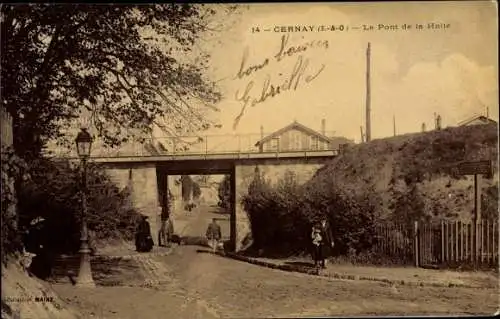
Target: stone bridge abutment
{"type": "Point", "coordinates": [148, 182]}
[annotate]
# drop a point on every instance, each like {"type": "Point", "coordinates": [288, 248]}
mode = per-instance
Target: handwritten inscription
{"type": "Point", "coordinates": [301, 73]}
{"type": "Point", "coordinates": [293, 81]}
{"type": "Point", "coordinates": [287, 50]}
{"type": "Point", "coordinates": [246, 71]}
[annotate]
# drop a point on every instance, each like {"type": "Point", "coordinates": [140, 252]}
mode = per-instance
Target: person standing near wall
{"type": "Point", "coordinates": [316, 244]}
{"type": "Point", "coordinates": [327, 242]}
{"type": "Point", "coordinates": [162, 233]}
{"type": "Point", "coordinates": [143, 240]}
{"type": "Point", "coordinates": [213, 234]}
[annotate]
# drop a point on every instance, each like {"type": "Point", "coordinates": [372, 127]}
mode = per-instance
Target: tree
{"type": "Point", "coordinates": [53, 193]}
{"type": "Point", "coordinates": [407, 204]}
{"type": "Point", "coordinates": [126, 65]}
{"type": "Point", "coordinates": [196, 190]}
{"type": "Point", "coordinates": [186, 187]}
{"type": "Point", "coordinates": [224, 191]}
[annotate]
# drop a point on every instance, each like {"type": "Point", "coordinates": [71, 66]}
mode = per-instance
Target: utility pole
{"type": "Point", "coordinates": [362, 135]}
{"type": "Point", "coordinates": [394, 124]}
{"type": "Point", "coordinates": [368, 94]}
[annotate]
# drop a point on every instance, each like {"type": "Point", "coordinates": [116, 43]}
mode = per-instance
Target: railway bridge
{"type": "Point", "coordinates": [145, 169]}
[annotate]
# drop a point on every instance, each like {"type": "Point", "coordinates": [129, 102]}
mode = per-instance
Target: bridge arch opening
{"type": "Point", "coordinates": [150, 179]}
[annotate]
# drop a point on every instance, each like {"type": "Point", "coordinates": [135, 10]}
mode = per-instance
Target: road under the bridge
{"type": "Point", "coordinates": [201, 285]}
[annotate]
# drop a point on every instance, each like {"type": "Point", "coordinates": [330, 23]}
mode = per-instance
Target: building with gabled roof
{"type": "Point", "coordinates": [298, 137]}
{"type": "Point", "coordinates": [477, 120]}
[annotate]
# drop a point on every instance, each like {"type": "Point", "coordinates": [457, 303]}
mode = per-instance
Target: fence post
{"type": "Point", "coordinates": [416, 244]}
{"type": "Point", "coordinates": [461, 241]}
{"type": "Point", "coordinates": [487, 241]}
{"type": "Point", "coordinates": [442, 243]}
{"type": "Point", "coordinates": [474, 242]}
{"type": "Point", "coordinates": [494, 242]}
{"type": "Point", "coordinates": [457, 256]}
{"type": "Point", "coordinates": [481, 248]}
{"type": "Point", "coordinates": [467, 242]}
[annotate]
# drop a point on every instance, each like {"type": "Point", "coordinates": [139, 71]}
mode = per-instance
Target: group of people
{"type": "Point", "coordinates": [322, 243]}
{"type": "Point", "coordinates": [143, 238]}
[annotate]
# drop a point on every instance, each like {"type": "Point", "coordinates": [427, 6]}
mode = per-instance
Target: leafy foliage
{"type": "Point", "coordinates": [281, 215]}
{"type": "Point", "coordinates": [12, 166]}
{"type": "Point", "coordinates": [407, 204]}
{"type": "Point", "coordinates": [126, 65]}
{"type": "Point", "coordinates": [489, 202]}
{"type": "Point", "coordinates": [54, 193]}
{"type": "Point", "coordinates": [196, 190]}
{"type": "Point", "coordinates": [402, 169]}
{"type": "Point", "coordinates": [224, 191]}
{"type": "Point", "coordinates": [189, 187]}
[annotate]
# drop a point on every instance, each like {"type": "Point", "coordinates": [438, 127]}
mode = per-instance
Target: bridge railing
{"type": "Point", "coordinates": [184, 145]}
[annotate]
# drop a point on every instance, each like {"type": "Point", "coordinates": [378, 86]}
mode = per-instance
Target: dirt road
{"type": "Point", "coordinates": [192, 284]}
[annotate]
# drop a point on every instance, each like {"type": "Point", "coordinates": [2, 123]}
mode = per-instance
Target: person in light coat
{"type": "Point", "coordinates": [213, 234]}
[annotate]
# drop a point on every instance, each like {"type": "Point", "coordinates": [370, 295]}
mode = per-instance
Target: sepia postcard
{"type": "Point", "coordinates": [249, 160]}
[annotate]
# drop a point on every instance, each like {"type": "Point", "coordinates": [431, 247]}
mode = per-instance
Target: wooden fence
{"type": "Point", "coordinates": [445, 244]}
{"type": "Point", "coordinates": [394, 242]}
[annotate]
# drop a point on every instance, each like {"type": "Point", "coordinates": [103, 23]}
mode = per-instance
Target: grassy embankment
{"type": "Point", "coordinates": [422, 159]}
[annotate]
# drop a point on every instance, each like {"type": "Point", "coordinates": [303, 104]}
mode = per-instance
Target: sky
{"type": "Point", "coordinates": [452, 71]}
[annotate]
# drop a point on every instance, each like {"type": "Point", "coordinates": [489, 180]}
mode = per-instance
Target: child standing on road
{"type": "Point", "coordinates": [316, 244]}
{"type": "Point", "coordinates": [213, 234]}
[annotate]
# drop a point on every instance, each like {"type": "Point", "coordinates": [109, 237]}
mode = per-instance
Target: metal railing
{"type": "Point", "coordinates": [192, 145]}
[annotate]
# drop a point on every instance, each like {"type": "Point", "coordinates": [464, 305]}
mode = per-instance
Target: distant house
{"type": "Point", "coordinates": [298, 137]}
{"type": "Point", "coordinates": [477, 120]}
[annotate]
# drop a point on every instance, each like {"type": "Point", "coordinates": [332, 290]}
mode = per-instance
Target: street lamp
{"type": "Point", "coordinates": [83, 144]}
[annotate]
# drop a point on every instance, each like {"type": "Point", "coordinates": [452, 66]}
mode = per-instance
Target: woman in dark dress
{"type": "Point", "coordinates": [143, 239]}
{"type": "Point", "coordinates": [327, 242]}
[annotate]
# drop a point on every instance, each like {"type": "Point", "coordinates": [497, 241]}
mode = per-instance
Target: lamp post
{"type": "Point", "coordinates": [83, 144]}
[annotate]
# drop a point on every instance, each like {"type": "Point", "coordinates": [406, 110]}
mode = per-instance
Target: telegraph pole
{"type": "Point", "coordinates": [394, 124]}
{"type": "Point", "coordinates": [368, 95]}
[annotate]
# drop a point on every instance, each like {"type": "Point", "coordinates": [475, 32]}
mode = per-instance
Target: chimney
{"type": "Point", "coordinates": [261, 132]}
{"type": "Point", "coordinates": [343, 148]}
{"type": "Point", "coordinates": [323, 126]}
{"type": "Point", "coordinates": [438, 122]}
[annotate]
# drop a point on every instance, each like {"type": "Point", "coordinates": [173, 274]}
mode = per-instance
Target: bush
{"type": "Point", "coordinates": [189, 187]}
{"type": "Point", "coordinates": [352, 215]}
{"type": "Point", "coordinates": [407, 204]}
{"type": "Point", "coordinates": [281, 215]}
{"type": "Point", "coordinates": [490, 203]}
{"type": "Point", "coordinates": [53, 193]}
{"type": "Point", "coordinates": [224, 192]}
{"type": "Point", "coordinates": [13, 168]}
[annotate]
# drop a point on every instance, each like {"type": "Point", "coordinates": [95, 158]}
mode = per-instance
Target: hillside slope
{"type": "Point", "coordinates": [23, 297]}
{"type": "Point", "coordinates": [386, 166]}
